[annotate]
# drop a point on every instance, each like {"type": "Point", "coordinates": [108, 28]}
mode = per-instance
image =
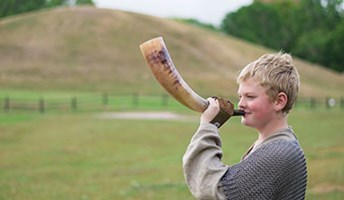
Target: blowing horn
{"type": "Point", "coordinates": [159, 60]}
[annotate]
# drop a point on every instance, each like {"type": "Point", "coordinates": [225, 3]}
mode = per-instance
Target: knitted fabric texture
{"type": "Point", "coordinates": [277, 170]}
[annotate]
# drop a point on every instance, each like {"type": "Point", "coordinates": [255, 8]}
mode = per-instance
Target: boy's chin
{"type": "Point", "coordinates": [245, 122]}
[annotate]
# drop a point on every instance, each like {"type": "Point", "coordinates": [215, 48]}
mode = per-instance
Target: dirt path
{"type": "Point", "coordinates": [147, 116]}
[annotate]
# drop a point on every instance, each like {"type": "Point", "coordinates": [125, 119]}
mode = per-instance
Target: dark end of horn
{"type": "Point", "coordinates": [238, 113]}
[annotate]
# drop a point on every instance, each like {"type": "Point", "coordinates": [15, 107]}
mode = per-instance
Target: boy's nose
{"type": "Point", "coordinates": [241, 104]}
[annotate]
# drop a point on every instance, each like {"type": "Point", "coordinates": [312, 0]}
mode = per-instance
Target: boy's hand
{"type": "Point", "coordinates": [218, 111]}
{"type": "Point", "coordinates": [213, 109]}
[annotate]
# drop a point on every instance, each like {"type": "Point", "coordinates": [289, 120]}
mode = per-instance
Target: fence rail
{"type": "Point", "coordinates": [112, 102]}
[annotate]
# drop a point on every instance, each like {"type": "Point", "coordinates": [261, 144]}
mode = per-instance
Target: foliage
{"type": "Point", "coordinates": [334, 48]}
{"type": "Point", "coordinates": [53, 3]}
{"type": "Point", "coordinates": [84, 2]}
{"type": "Point", "coordinates": [195, 22]}
{"type": "Point", "coordinates": [262, 21]}
{"type": "Point", "coordinates": [12, 7]}
{"type": "Point", "coordinates": [309, 29]}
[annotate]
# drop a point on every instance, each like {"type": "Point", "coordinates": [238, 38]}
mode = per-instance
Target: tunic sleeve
{"type": "Point", "coordinates": [202, 164]}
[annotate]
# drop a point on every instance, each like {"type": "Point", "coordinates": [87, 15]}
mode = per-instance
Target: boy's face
{"type": "Point", "coordinates": [256, 103]}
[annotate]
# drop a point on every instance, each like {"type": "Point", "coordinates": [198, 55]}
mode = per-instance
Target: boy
{"type": "Point", "coordinates": [274, 167]}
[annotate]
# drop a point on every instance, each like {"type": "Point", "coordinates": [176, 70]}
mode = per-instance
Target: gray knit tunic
{"type": "Point", "coordinates": [276, 169]}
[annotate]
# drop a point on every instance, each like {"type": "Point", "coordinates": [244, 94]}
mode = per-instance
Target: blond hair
{"type": "Point", "coordinates": [276, 73]}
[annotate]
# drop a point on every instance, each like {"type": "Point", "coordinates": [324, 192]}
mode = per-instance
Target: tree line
{"type": "Point", "coordinates": [310, 29]}
{"type": "Point", "coordinates": [13, 7]}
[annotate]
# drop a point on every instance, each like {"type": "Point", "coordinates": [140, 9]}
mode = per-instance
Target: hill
{"type": "Point", "coordinates": [92, 49]}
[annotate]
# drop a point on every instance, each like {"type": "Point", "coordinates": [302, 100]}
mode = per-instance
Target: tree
{"type": "Point", "coordinates": [84, 2]}
{"type": "Point", "coordinates": [255, 23]}
{"type": "Point", "coordinates": [54, 3]}
{"type": "Point", "coordinates": [320, 24]}
{"type": "Point", "coordinates": [334, 49]}
{"type": "Point", "coordinates": [310, 45]}
{"type": "Point", "coordinates": [310, 29]}
{"type": "Point", "coordinates": [12, 7]}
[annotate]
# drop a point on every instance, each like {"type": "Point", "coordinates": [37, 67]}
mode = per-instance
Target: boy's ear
{"type": "Point", "coordinates": [281, 101]}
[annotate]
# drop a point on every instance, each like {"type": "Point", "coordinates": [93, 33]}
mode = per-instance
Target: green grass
{"type": "Point", "coordinates": [81, 156]}
{"type": "Point", "coordinates": [74, 154]}
{"type": "Point", "coordinates": [13, 119]}
{"type": "Point", "coordinates": [90, 157]}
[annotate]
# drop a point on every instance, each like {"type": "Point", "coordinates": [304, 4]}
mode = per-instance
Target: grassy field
{"type": "Point", "coordinates": [83, 156]}
{"type": "Point", "coordinates": [84, 52]}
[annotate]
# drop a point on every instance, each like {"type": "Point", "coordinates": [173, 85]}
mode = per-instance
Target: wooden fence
{"type": "Point", "coordinates": [113, 102]}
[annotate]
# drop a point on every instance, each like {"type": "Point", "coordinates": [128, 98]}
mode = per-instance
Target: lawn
{"type": "Point", "coordinates": [82, 156]}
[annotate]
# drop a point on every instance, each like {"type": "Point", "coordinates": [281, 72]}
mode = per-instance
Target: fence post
{"type": "Point", "coordinates": [41, 105]}
{"type": "Point", "coordinates": [7, 104]}
{"type": "Point", "coordinates": [312, 102]}
{"type": "Point", "coordinates": [327, 105]}
{"type": "Point", "coordinates": [330, 102]}
{"type": "Point", "coordinates": [74, 104]}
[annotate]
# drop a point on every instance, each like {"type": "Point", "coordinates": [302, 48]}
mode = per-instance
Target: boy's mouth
{"type": "Point", "coordinates": [239, 113]}
{"type": "Point", "coordinates": [247, 113]}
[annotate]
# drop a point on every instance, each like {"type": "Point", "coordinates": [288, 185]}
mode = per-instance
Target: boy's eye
{"type": "Point", "coordinates": [249, 96]}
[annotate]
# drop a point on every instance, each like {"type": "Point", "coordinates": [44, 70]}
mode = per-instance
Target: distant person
{"type": "Point", "coordinates": [274, 167]}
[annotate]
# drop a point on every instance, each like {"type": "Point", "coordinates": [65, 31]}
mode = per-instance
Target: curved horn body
{"type": "Point", "coordinates": [160, 63]}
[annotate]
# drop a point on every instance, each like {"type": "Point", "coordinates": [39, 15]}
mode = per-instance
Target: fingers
{"type": "Point", "coordinates": [213, 101]}
{"type": "Point", "coordinates": [212, 110]}
{"type": "Point", "coordinates": [218, 112]}
{"type": "Point", "coordinates": [214, 106]}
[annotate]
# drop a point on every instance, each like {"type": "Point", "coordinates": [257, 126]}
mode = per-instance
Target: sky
{"type": "Point", "coordinates": [206, 11]}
